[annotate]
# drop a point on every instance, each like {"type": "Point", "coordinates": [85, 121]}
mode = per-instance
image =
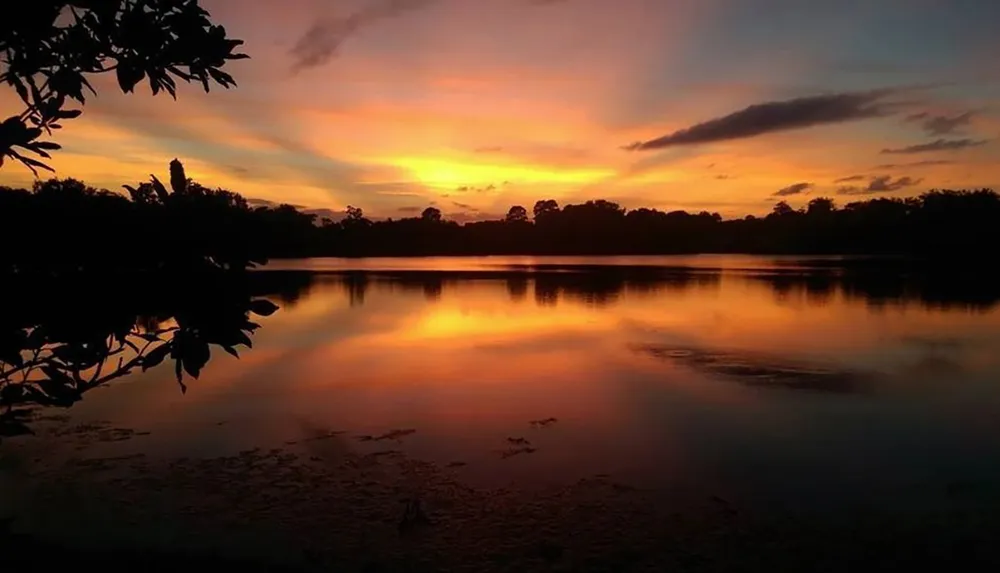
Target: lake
{"type": "Point", "coordinates": [726, 385]}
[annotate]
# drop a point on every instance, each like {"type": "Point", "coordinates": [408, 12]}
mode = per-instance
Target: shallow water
{"type": "Point", "coordinates": [790, 390]}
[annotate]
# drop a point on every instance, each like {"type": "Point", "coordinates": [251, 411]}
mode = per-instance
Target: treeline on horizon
{"type": "Point", "coordinates": [67, 225]}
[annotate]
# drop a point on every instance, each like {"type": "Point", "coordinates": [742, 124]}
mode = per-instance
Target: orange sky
{"type": "Point", "coordinates": [394, 105]}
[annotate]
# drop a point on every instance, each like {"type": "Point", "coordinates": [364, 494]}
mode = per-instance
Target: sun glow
{"type": "Point", "coordinates": [451, 174]}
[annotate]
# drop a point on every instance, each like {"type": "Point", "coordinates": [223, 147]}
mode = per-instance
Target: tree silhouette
{"type": "Point", "coordinates": [187, 227]}
{"type": "Point", "coordinates": [57, 345]}
{"type": "Point", "coordinates": [431, 214]}
{"type": "Point", "coordinates": [544, 208]}
{"type": "Point", "coordinates": [49, 48]}
{"type": "Point", "coordinates": [517, 214]}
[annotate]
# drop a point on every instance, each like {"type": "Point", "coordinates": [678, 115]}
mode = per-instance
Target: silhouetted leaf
{"type": "Point", "coordinates": [56, 375]}
{"type": "Point", "coordinates": [129, 76]}
{"type": "Point", "coordinates": [263, 307]}
{"type": "Point", "coordinates": [231, 350]}
{"type": "Point", "coordinates": [47, 145]}
{"type": "Point", "coordinates": [11, 394]}
{"type": "Point", "coordinates": [155, 356]}
{"type": "Point", "coordinates": [11, 343]}
{"type": "Point", "coordinates": [196, 355]}
{"type": "Point", "coordinates": [161, 191]}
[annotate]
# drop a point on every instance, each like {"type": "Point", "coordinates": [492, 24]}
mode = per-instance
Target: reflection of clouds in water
{"type": "Point", "coordinates": [764, 371]}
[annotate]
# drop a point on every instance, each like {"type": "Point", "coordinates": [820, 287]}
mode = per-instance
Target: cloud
{"type": "Point", "coordinates": [939, 145]}
{"type": "Point", "coordinates": [880, 184]}
{"type": "Point", "coordinates": [488, 149]}
{"type": "Point", "coordinates": [487, 189]}
{"type": "Point", "coordinates": [724, 177]}
{"type": "Point", "coordinates": [796, 189]}
{"type": "Point", "coordinates": [465, 206]}
{"type": "Point", "coordinates": [410, 209]}
{"type": "Point", "coordinates": [941, 124]}
{"type": "Point", "coordinates": [776, 116]}
{"type": "Point", "coordinates": [850, 179]}
{"type": "Point", "coordinates": [926, 163]}
{"type": "Point", "coordinates": [319, 213]}
{"type": "Point", "coordinates": [323, 39]}
{"type": "Point", "coordinates": [463, 217]}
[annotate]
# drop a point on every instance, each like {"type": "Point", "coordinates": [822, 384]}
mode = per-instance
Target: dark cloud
{"type": "Point", "coordinates": [323, 39]}
{"type": "Point", "coordinates": [254, 202]}
{"type": "Point", "coordinates": [463, 217]}
{"type": "Point", "coordinates": [796, 189]}
{"type": "Point", "coordinates": [465, 206]}
{"type": "Point", "coordinates": [941, 124]}
{"type": "Point", "coordinates": [880, 184]}
{"type": "Point", "coordinates": [319, 213]}
{"type": "Point", "coordinates": [236, 170]}
{"type": "Point", "coordinates": [851, 179]}
{"type": "Point", "coordinates": [724, 177]}
{"type": "Point", "coordinates": [487, 189]}
{"type": "Point", "coordinates": [776, 116]}
{"type": "Point", "coordinates": [488, 149]}
{"type": "Point", "coordinates": [410, 209]}
{"type": "Point", "coordinates": [939, 145]}
{"type": "Point", "coordinates": [927, 163]}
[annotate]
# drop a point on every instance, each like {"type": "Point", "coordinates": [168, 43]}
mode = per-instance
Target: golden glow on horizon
{"type": "Point", "coordinates": [404, 114]}
{"type": "Point", "coordinates": [451, 174]}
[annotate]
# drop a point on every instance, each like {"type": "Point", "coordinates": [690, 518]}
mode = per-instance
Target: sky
{"type": "Point", "coordinates": [477, 105]}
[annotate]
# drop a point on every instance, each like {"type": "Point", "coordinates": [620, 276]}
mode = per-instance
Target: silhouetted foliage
{"type": "Point", "coordinates": [48, 48]}
{"type": "Point", "coordinates": [57, 343]}
{"type": "Point", "coordinates": [938, 223]}
{"type": "Point", "coordinates": [516, 214]}
{"type": "Point", "coordinates": [187, 225]}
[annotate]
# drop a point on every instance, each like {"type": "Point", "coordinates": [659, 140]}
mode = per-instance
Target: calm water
{"type": "Point", "coordinates": [770, 385]}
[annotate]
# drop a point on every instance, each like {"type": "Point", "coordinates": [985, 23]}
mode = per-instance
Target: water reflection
{"type": "Point", "coordinates": [603, 285]}
{"type": "Point", "coordinates": [660, 376]}
{"type": "Point", "coordinates": [58, 344]}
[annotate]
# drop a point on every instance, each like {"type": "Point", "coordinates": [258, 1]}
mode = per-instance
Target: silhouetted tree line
{"type": "Point", "coordinates": [877, 282]}
{"type": "Point", "coordinates": [63, 225]}
{"type": "Point", "coordinates": [938, 223]}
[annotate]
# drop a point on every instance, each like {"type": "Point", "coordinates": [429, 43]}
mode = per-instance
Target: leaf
{"type": "Point", "coordinates": [56, 375]}
{"type": "Point", "coordinates": [155, 356]}
{"type": "Point", "coordinates": [69, 113]}
{"type": "Point", "coordinates": [22, 90]}
{"type": "Point", "coordinates": [11, 394]}
{"type": "Point", "coordinates": [197, 354]}
{"type": "Point", "coordinates": [128, 76]}
{"type": "Point", "coordinates": [231, 350]}
{"type": "Point", "coordinates": [263, 307]}
{"type": "Point", "coordinates": [161, 191]}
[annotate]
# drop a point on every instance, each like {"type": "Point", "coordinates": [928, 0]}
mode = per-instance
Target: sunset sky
{"type": "Point", "coordinates": [477, 105]}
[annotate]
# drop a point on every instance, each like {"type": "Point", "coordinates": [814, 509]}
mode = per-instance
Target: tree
{"type": "Point", "coordinates": [821, 206]}
{"type": "Point", "coordinates": [355, 213]}
{"type": "Point", "coordinates": [782, 209]}
{"type": "Point", "coordinates": [48, 48]}
{"type": "Point", "coordinates": [432, 214]}
{"type": "Point", "coordinates": [545, 208]}
{"type": "Point", "coordinates": [517, 214]}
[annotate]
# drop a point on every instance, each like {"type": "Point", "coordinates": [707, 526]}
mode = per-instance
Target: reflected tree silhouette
{"type": "Point", "coordinates": [55, 346]}
{"type": "Point", "coordinates": [876, 282]}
